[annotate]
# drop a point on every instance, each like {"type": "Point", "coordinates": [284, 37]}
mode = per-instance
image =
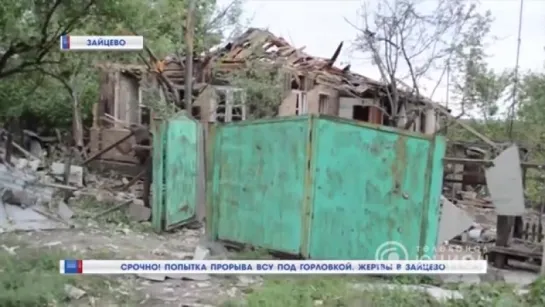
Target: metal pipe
{"type": "Point", "coordinates": [516, 79]}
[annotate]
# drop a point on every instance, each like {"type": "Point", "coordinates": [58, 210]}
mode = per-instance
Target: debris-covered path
{"type": "Point", "coordinates": [124, 243]}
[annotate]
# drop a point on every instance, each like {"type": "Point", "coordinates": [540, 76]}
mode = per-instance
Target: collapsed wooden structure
{"type": "Point", "coordinates": [312, 85]}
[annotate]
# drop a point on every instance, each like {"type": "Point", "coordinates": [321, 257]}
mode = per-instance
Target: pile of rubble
{"type": "Point", "coordinates": [473, 199]}
{"type": "Point", "coordinates": [35, 195]}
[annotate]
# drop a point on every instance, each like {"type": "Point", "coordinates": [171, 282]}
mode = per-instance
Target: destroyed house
{"type": "Point", "coordinates": [312, 85]}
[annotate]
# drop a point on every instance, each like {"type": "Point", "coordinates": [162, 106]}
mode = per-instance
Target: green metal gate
{"type": "Point", "coordinates": [372, 185]}
{"type": "Point", "coordinates": [323, 187]}
{"type": "Point", "coordinates": [257, 186]}
{"type": "Point", "coordinates": [176, 166]}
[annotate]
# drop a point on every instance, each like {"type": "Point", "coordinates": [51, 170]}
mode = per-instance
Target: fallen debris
{"type": "Point", "coordinates": [23, 202]}
{"type": "Point", "coordinates": [138, 212]}
{"type": "Point", "coordinates": [10, 250]}
{"type": "Point", "coordinates": [64, 211]}
{"type": "Point", "coordinates": [453, 221]}
{"type": "Point", "coordinates": [112, 209]}
{"type": "Point", "coordinates": [73, 292]}
{"type": "Point", "coordinates": [153, 277]}
{"type": "Point", "coordinates": [75, 173]}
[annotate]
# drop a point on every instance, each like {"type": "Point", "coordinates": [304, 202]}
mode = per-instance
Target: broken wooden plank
{"type": "Point", "coordinates": [10, 143]}
{"type": "Point", "coordinates": [58, 186]}
{"type": "Point", "coordinates": [466, 126]}
{"type": "Point", "coordinates": [52, 216]}
{"type": "Point", "coordinates": [112, 209]}
{"type": "Point", "coordinates": [107, 148]}
{"type": "Point", "coordinates": [134, 180]}
{"type": "Point", "coordinates": [487, 162]}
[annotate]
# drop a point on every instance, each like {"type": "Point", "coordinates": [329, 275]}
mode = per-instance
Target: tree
{"type": "Point", "coordinates": [54, 86]}
{"type": "Point", "coordinates": [407, 42]}
{"type": "Point", "coordinates": [531, 109]}
{"type": "Point", "coordinates": [205, 30]}
{"type": "Point", "coordinates": [30, 29]}
{"type": "Point", "coordinates": [263, 84]}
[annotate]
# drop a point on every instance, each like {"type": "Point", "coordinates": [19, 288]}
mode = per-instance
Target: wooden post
{"type": "Point", "coordinates": [540, 230]}
{"type": "Point", "coordinates": [543, 257]}
{"type": "Point", "coordinates": [9, 146]}
{"type": "Point", "coordinates": [189, 31]}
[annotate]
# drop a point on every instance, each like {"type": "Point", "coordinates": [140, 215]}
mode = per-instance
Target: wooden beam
{"type": "Point", "coordinates": [487, 162]}
{"type": "Point", "coordinates": [114, 144]}
{"type": "Point", "coordinates": [467, 127]}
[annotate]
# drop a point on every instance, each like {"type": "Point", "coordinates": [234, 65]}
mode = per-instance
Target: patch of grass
{"type": "Point", "coordinates": [333, 291]}
{"type": "Point", "coordinates": [412, 280]}
{"type": "Point", "coordinates": [88, 207]}
{"type": "Point", "coordinates": [31, 278]}
{"type": "Point", "coordinates": [536, 293]}
{"type": "Point", "coordinates": [326, 291]}
{"type": "Point", "coordinates": [252, 254]}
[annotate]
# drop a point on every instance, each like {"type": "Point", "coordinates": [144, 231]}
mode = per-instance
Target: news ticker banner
{"type": "Point", "coordinates": [249, 267]}
{"type": "Point", "coordinates": [89, 43]}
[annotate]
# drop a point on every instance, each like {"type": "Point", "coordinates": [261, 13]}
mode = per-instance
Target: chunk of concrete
{"type": "Point", "coordinates": [201, 253]}
{"type": "Point", "coordinates": [195, 277]}
{"type": "Point", "coordinates": [73, 292]}
{"type": "Point", "coordinates": [138, 212]}
{"type": "Point", "coordinates": [36, 149]}
{"type": "Point", "coordinates": [76, 173]}
{"type": "Point", "coordinates": [19, 198]}
{"type": "Point", "coordinates": [154, 277]}
{"type": "Point", "coordinates": [34, 165]}
{"type": "Point", "coordinates": [64, 211]}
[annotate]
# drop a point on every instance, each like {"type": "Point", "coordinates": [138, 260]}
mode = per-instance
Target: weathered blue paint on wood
{"type": "Point", "coordinates": [259, 170]}
{"type": "Point", "coordinates": [325, 188]}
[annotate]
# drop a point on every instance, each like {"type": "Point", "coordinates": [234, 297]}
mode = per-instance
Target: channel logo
{"type": "Point", "coordinates": [393, 250]}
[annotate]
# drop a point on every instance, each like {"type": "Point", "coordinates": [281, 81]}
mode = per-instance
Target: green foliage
{"type": "Point", "coordinates": [31, 279]}
{"type": "Point", "coordinates": [38, 81]}
{"type": "Point", "coordinates": [477, 87]}
{"type": "Point", "coordinates": [532, 101]}
{"type": "Point", "coordinates": [29, 30]}
{"type": "Point", "coordinates": [263, 84]}
{"type": "Point", "coordinates": [337, 291]}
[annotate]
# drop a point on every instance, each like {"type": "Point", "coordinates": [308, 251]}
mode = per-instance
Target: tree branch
{"type": "Point", "coordinates": [44, 44]}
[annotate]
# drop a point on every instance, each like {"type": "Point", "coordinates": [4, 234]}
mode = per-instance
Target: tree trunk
{"type": "Point", "coordinates": [77, 125]}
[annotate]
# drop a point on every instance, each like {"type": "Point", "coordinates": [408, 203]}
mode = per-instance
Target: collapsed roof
{"type": "Point", "coordinates": [262, 45]}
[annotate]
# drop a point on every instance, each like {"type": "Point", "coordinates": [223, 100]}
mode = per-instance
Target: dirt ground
{"type": "Point", "coordinates": [118, 242]}
{"type": "Point", "coordinates": [114, 237]}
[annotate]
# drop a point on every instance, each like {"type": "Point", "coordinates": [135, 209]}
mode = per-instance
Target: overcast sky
{"type": "Point", "coordinates": [320, 25]}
